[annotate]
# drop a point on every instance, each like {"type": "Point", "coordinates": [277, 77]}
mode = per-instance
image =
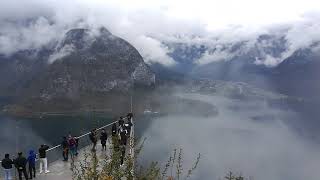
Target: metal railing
{"type": "Point", "coordinates": [81, 136]}
{"type": "Point", "coordinates": [86, 143]}
{"type": "Point", "coordinates": [98, 129]}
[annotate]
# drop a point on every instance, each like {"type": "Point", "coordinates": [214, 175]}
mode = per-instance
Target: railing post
{"type": "Point", "coordinates": [132, 146]}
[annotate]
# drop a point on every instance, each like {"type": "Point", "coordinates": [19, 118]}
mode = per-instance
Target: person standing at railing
{"type": "Point", "coordinates": [121, 121]}
{"type": "Point", "coordinates": [129, 116]}
{"type": "Point", "coordinates": [123, 136]}
{"type": "Point", "coordinates": [93, 138]}
{"type": "Point", "coordinates": [128, 125]}
{"type": "Point", "coordinates": [20, 163]}
{"type": "Point", "coordinates": [114, 129]}
{"type": "Point", "coordinates": [72, 145]}
{"type": "Point", "coordinates": [103, 139]}
{"type": "Point", "coordinates": [65, 148]}
{"type": "Point", "coordinates": [7, 166]}
{"type": "Point", "coordinates": [32, 164]}
{"type": "Point", "coordinates": [43, 158]}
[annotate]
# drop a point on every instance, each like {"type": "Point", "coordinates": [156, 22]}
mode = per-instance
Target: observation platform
{"type": "Point", "coordinates": [61, 170]}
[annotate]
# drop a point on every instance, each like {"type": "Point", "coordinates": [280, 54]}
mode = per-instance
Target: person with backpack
{"type": "Point", "coordinates": [20, 163]}
{"type": "Point", "coordinates": [72, 146]}
{"type": "Point", "coordinates": [65, 148]}
{"type": "Point", "coordinates": [103, 139]}
{"type": "Point", "coordinates": [43, 158]}
{"type": "Point", "coordinates": [7, 166]}
{"type": "Point", "coordinates": [93, 139]}
{"type": "Point", "coordinates": [32, 164]}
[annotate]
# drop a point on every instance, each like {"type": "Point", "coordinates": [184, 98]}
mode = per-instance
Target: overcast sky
{"type": "Point", "coordinates": [218, 14]}
{"type": "Point", "coordinates": [147, 23]}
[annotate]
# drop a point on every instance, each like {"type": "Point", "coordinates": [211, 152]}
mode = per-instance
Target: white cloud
{"type": "Point", "coordinates": [18, 37]}
{"type": "Point", "coordinates": [268, 61]}
{"type": "Point", "coordinates": [32, 24]}
{"type": "Point", "coordinates": [152, 50]}
{"type": "Point", "coordinates": [214, 57]}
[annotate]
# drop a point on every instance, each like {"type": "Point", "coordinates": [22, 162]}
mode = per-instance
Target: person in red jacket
{"type": "Point", "coordinates": [72, 146]}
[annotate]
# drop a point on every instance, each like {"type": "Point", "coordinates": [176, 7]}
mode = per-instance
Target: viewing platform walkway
{"type": "Point", "coordinates": [62, 170]}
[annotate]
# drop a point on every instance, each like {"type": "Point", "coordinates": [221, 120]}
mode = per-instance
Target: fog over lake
{"type": "Point", "coordinates": [247, 137]}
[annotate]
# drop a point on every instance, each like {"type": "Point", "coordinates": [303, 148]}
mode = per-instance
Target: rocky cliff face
{"type": "Point", "coordinates": [93, 62]}
{"type": "Point", "coordinates": [85, 63]}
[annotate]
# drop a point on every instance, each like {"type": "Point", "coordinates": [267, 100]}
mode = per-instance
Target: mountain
{"type": "Point", "coordinates": [267, 62]}
{"type": "Point", "coordinates": [242, 69]}
{"type": "Point", "coordinates": [299, 74]}
{"type": "Point", "coordinates": [73, 73]}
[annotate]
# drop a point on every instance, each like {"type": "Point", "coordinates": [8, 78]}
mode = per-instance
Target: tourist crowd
{"type": "Point", "coordinates": [120, 132]}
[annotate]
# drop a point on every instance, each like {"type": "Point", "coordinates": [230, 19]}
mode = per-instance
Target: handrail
{"type": "Point", "coordinates": [81, 136]}
{"type": "Point", "coordinates": [132, 150]}
{"type": "Point", "coordinates": [86, 134]}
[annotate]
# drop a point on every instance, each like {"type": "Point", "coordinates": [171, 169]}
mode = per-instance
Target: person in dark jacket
{"type": "Point", "coordinates": [129, 116]}
{"type": "Point", "coordinates": [114, 129]}
{"type": "Point", "coordinates": [20, 163]}
{"type": "Point", "coordinates": [65, 148]}
{"type": "Point", "coordinates": [103, 138]}
{"type": "Point", "coordinates": [32, 164]}
{"type": "Point", "coordinates": [93, 139]}
{"type": "Point", "coordinates": [43, 158]}
{"type": "Point", "coordinates": [123, 137]}
{"type": "Point", "coordinates": [121, 121]}
{"type": "Point", "coordinates": [7, 166]}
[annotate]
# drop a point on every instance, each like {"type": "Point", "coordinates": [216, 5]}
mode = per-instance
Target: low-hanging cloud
{"type": "Point", "coordinates": [37, 27]}
{"type": "Point", "coordinates": [153, 50]}
{"type": "Point", "coordinates": [33, 24]}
